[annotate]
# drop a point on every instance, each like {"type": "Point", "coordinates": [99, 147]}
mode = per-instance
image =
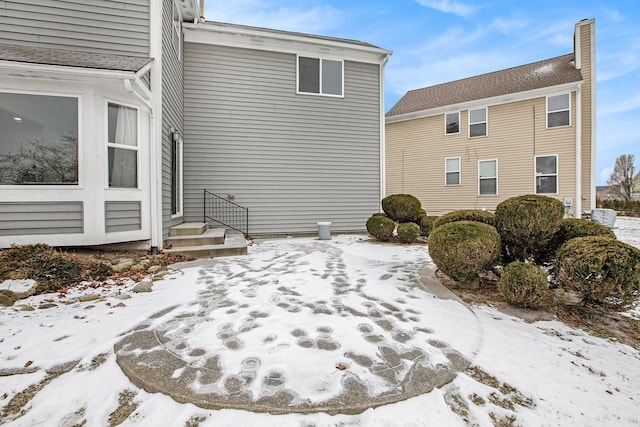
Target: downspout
{"type": "Point", "coordinates": [153, 154]}
{"type": "Point", "coordinates": [383, 172]}
{"type": "Point", "coordinates": [578, 204]}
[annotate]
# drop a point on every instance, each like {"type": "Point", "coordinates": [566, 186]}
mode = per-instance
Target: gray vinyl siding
{"type": "Point", "coordinates": [292, 159]}
{"type": "Point", "coordinates": [118, 27]}
{"type": "Point", "coordinates": [122, 216]}
{"type": "Point", "coordinates": [33, 218]}
{"type": "Point", "coordinates": [172, 109]}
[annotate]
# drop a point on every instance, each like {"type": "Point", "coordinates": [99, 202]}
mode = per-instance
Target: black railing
{"type": "Point", "coordinates": [225, 212]}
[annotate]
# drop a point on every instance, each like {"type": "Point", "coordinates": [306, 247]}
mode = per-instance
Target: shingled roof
{"type": "Point", "coordinates": [69, 58]}
{"type": "Point", "coordinates": [537, 75]}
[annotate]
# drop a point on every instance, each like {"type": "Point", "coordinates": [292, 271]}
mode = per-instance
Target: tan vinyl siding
{"type": "Point", "coordinates": [117, 27]}
{"type": "Point", "coordinates": [586, 60]}
{"type": "Point", "coordinates": [416, 151]}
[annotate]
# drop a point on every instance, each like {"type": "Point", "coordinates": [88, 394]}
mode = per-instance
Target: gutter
{"type": "Point", "coordinates": [383, 160]}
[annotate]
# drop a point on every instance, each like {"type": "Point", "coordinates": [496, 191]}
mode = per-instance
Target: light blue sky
{"type": "Point", "coordinates": [436, 41]}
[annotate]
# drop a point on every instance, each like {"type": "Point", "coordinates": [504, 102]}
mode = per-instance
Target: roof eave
{"type": "Point", "coordinates": [485, 102]}
{"type": "Point", "coordinates": [255, 38]}
{"type": "Point", "coordinates": [67, 70]}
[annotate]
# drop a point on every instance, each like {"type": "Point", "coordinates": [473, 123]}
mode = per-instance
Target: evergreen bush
{"type": "Point", "coordinates": [524, 285]}
{"type": "Point", "coordinates": [381, 227]}
{"type": "Point", "coordinates": [402, 207]}
{"type": "Point", "coordinates": [570, 228]}
{"type": "Point", "coordinates": [408, 232]}
{"type": "Point", "coordinates": [601, 269]}
{"type": "Point", "coordinates": [466, 215]}
{"type": "Point", "coordinates": [426, 224]}
{"type": "Point", "coordinates": [463, 249]}
{"type": "Point", "coordinates": [527, 224]}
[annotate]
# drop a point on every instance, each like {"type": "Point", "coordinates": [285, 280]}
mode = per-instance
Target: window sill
{"type": "Point", "coordinates": [324, 95]}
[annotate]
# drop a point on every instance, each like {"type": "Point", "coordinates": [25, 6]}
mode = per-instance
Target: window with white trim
{"type": "Point", "coordinates": [452, 123]}
{"type": "Point", "coordinates": [38, 139]}
{"type": "Point", "coordinates": [122, 146]}
{"type": "Point", "coordinates": [176, 35]}
{"type": "Point", "coordinates": [558, 110]}
{"type": "Point", "coordinates": [176, 174]}
{"type": "Point", "coordinates": [478, 122]}
{"type": "Point", "coordinates": [452, 171]}
{"type": "Point", "coordinates": [487, 177]}
{"type": "Point", "coordinates": [320, 76]}
{"type": "Point", "coordinates": [547, 174]}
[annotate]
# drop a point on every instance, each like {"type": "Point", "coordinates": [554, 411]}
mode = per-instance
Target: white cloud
{"type": "Point", "coordinates": [621, 105]}
{"type": "Point", "coordinates": [449, 6]}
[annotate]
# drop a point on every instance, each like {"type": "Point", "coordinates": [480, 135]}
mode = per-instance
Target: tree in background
{"type": "Point", "coordinates": [621, 178]}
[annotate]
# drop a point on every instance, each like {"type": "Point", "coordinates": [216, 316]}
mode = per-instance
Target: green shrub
{"type": "Point", "coordinates": [24, 252]}
{"type": "Point", "coordinates": [570, 228]}
{"type": "Point", "coordinates": [408, 232]}
{"type": "Point", "coordinates": [52, 272]}
{"type": "Point", "coordinates": [467, 215]}
{"type": "Point", "coordinates": [426, 224]}
{"type": "Point", "coordinates": [402, 207]}
{"type": "Point", "coordinates": [463, 249]}
{"type": "Point", "coordinates": [381, 227]}
{"type": "Point", "coordinates": [99, 270]}
{"type": "Point", "coordinates": [602, 270]}
{"type": "Point", "coordinates": [527, 224]}
{"type": "Point", "coordinates": [524, 285]}
{"type": "Point", "coordinates": [380, 214]}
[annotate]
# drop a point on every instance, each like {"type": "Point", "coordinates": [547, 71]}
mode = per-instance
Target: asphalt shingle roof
{"type": "Point", "coordinates": [69, 58]}
{"type": "Point", "coordinates": [537, 75]}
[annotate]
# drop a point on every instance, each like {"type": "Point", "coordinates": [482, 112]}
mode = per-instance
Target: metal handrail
{"type": "Point", "coordinates": [226, 212]}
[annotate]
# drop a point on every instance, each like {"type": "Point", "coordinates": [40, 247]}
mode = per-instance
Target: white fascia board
{"type": "Point", "coordinates": [487, 102]}
{"type": "Point", "coordinates": [285, 43]}
{"type": "Point", "coordinates": [49, 71]}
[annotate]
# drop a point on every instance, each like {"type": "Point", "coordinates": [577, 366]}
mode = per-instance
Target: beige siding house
{"type": "Point", "coordinates": [472, 143]}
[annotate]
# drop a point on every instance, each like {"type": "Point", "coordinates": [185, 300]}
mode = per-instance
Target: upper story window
{"type": "Point", "coordinates": [38, 139]}
{"type": "Point", "coordinates": [452, 171]}
{"type": "Point", "coordinates": [452, 123]}
{"type": "Point", "coordinates": [478, 122]}
{"type": "Point", "coordinates": [320, 76]}
{"type": "Point", "coordinates": [547, 174]}
{"type": "Point", "coordinates": [122, 146]}
{"type": "Point", "coordinates": [558, 111]}
{"type": "Point", "coordinates": [487, 177]}
{"type": "Point", "coordinates": [176, 34]}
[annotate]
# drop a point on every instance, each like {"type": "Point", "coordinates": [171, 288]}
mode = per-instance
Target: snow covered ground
{"type": "Point", "coordinates": [301, 307]}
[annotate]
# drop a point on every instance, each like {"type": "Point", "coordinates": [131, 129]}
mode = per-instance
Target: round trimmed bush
{"type": "Point", "coordinates": [601, 269]}
{"type": "Point", "coordinates": [426, 224]}
{"type": "Point", "coordinates": [467, 215]}
{"type": "Point", "coordinates": [402, 207]}
{"type": "Point", "coordinates": [381, 227]}
{"type": "Point", "coordinates": [527, 224]}
{"type": "Point", "coordinates": [570, 228]}
{"type": "Point", "coordinates": [524, 285]}
{"type": "Point", "coordinates": [463, 249]}
{"type": "Point", "coordinates": [408, 232]}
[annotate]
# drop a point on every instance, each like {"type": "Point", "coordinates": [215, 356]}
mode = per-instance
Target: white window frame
{"type": "Point", "coordinates": [486, 122]}
{"type": "Point", "coordinates": [445, 123]}
{"type": "Point", "coordinates": [456, 171]}
{"type": "Point", "coordinates": [536, 175]}
{"type": "Point", "coordinates": [126, 147]}
{"type": "Point", "coordinates": [486, 178]}
{"type": "Point", "coordinates": [79, 142]}
{"type": "Point", "coordinates": [568, 95]}
{"type": "Point", "coordinates": [180, 175]}
{"type": "Point", "coordinates": [320, 59]}
{"type": "Point", "coordinates": [176, 35]}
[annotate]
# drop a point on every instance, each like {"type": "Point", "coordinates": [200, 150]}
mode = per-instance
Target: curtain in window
{"type": "Point", "coordinates": [123, 162]}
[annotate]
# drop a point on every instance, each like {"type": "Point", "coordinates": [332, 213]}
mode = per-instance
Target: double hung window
{"type": "Point", "coordinates": [452, 123]}
{"type": "Point", "coordinates": [547, 174]}
{"type": "Point", "coordinates": [122, 146]}
{"type": "Point", "coordinates": [452, 171]}
{"type": "Point", "coordinates": [478, 122]}
{"type": "Point", "coordinates": [487, 177]}
{"type": "Point", "coordinates": [558, 111]}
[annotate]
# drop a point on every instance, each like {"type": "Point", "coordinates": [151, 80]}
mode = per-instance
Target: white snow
{"type": "Point", "coordinates": [570, 377]}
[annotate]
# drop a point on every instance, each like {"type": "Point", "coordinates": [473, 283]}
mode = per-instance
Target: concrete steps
{"type": "Point", "coordinates": [197, 240]}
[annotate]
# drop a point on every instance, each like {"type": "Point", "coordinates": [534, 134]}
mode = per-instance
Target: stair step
{"type": "Point", "coordinates": [188, 229]}
{"type": "Point", "coordinates": [229, 248]}
{"type": "Point", "coordinates": [213, 236]}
